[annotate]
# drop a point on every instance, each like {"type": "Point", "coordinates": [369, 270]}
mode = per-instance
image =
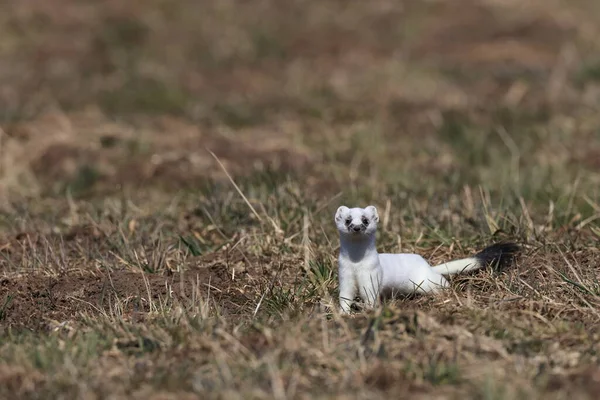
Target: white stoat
{"type": "Point", "coordinates": [362, 267]}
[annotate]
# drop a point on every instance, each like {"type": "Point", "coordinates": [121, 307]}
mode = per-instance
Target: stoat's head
{"type": "Point", "coordinates": [356, 222]}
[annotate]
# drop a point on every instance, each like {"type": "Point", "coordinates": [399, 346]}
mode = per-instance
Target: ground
{"type": "Point", "coordinates": [169, 172]}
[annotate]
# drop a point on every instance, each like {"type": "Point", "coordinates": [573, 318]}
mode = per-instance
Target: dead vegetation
{"type": "Point", "coordinates": [135, 263]}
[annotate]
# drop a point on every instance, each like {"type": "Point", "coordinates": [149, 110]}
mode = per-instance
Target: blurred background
{"type": "Point", "coordinates": [96, 96]}
{"type": "Point", "coordinates": [464, 121]}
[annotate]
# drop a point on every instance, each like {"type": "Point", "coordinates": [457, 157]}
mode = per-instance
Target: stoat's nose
{"type": "Point", "coordinates": [356, 228]}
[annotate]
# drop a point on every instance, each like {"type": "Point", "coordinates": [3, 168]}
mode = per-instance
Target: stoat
{"type": "Point", "coordinates": [373, 274]}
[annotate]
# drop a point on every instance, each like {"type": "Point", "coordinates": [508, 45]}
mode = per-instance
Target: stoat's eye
{"type": "Point", "coordinates": [348, 220]}
{"type": "Point", "coordinates": [365, 221]}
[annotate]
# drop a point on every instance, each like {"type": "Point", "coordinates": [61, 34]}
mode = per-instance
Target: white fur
{"type": "Point", "coordinates": [362, 268]}
{"type": "Point", "coordinates": [359, 267]}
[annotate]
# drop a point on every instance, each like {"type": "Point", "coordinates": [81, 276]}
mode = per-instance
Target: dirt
{"type": "Point", "coordinates": [37, 302]}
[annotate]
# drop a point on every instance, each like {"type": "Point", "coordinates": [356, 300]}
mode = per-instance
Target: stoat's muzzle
{"type": "Point", "coordinates": [356, 228]}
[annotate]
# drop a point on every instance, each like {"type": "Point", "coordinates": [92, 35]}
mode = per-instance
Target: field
{"type": "Point", "coordinates": [169, 172]}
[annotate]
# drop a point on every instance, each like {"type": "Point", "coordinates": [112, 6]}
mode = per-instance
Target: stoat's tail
{"type": "Point", "coordinates": [499, 255]}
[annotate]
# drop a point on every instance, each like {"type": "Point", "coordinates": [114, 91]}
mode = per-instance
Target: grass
{"type": "Point", "coordinates": [168, 182]}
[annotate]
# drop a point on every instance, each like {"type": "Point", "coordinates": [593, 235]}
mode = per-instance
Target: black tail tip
{"type": "Point", "coordinates": [499, 255]}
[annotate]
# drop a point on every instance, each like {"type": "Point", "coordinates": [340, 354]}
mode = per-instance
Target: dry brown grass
{"type": "Point", "coordinates": [136, 264]}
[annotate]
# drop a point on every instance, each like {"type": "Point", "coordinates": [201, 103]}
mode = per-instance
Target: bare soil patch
{"type": "Point", "coordinates": [43, 302]}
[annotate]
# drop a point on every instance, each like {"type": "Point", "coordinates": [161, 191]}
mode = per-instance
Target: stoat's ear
{"type": "Point", "coordinates": [373, 211]}
{"type": "Point", "coordinates": [341, 211]}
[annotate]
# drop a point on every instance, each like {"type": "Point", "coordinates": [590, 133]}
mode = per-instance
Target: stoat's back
{"type": "Point", "coordinates": [406, 272]}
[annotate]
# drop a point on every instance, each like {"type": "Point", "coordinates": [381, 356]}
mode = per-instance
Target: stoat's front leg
{"type": "Point", "coordinates": [347, 285]}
